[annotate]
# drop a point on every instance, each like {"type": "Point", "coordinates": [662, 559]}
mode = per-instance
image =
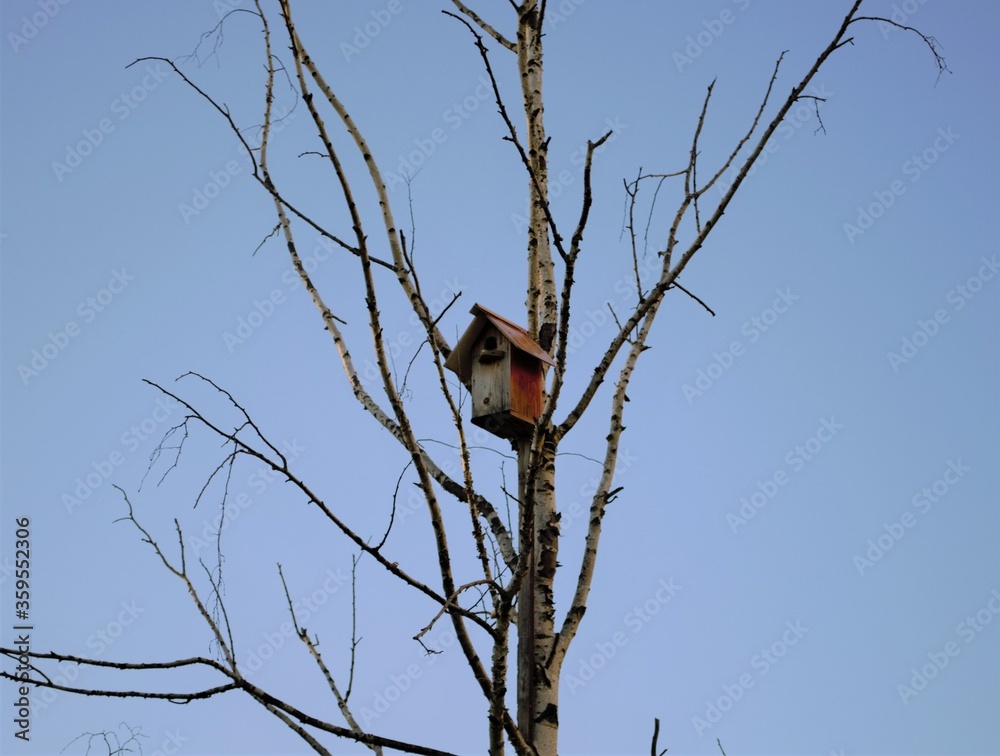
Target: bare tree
{"type": "Point", "coordinates": [513, 585]}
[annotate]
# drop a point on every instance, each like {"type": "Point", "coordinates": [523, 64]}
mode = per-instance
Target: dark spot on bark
{"type": "Point", "coordinates": [550, 714]}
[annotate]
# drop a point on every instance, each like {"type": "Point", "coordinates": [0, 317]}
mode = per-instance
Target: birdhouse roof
{"type": "Point", "coordinates": [460, 359]}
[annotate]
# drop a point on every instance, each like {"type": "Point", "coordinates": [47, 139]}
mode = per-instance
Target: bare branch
{"type": "Point", "coordinates": [224, 648]}
{"type": "Point", "coordinates": [695, 297]}
{"type": "Point", "coordinates": [154, 455]}
{"type": "Point", "coordinates": [222, 110]}
{"type": "Point", "coordinates": [301, 731]}
{"type": "Point", "coordinates": [485, 26]}
{"type": "Point", "coordinates": [452, 601]}
{"type": "Point", "coordinates": [392, 514]}
{"type": "Point", "coordinates": [119, 746]}
{"type": "Point", "coordinates": [418, 305]}
{"type": "Point", "coordinates": [290, 476]}
{"type": "Point", "coordinates": [318, 658]}
{"type": "Point", "coordinates": [237, 683]}
{"type": "Point", "coordinates": [405, 433]}
{"type": "Point", "coordinates": [656, 737]}
{"type": "Point", "coordinates": [932, 44]}
{"type": "Point", "coordinates": [670, 274]}
{"type": "Point", "coordinates": [602, 497]}
{"type": "Point", "coordinates": [562, 339]}
{"type": "Point", "coordinates": [535, 176]}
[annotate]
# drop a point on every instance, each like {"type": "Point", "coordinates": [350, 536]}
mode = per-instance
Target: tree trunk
{"type": "Point", "coordinates": [537, 683]}
{"type": "Point", "coordinates": [546, 546]}
{"type": "Point", "coordinates": [538, 689]}
{"type": "Point", "coordinates": [525, 606]}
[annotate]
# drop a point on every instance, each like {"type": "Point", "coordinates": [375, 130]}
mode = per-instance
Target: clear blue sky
{"type": "Point", "coordinates": [804, 557]}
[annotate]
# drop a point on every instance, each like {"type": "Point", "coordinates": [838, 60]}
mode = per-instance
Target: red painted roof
{"type": "Point", "coordinates": [460, 359]}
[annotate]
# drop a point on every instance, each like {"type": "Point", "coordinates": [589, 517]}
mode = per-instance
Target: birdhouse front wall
{"type": "Point", "coordinates": [506, 386]}
{"type": "Point", "coordinates": [491, 374]}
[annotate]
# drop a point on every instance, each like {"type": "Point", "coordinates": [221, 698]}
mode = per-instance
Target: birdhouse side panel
{"type": "Point", "coordinates": [526, 386]}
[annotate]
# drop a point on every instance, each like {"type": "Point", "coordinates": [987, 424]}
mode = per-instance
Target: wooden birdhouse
{"type": "Point", "coordinates": [503, 368]}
